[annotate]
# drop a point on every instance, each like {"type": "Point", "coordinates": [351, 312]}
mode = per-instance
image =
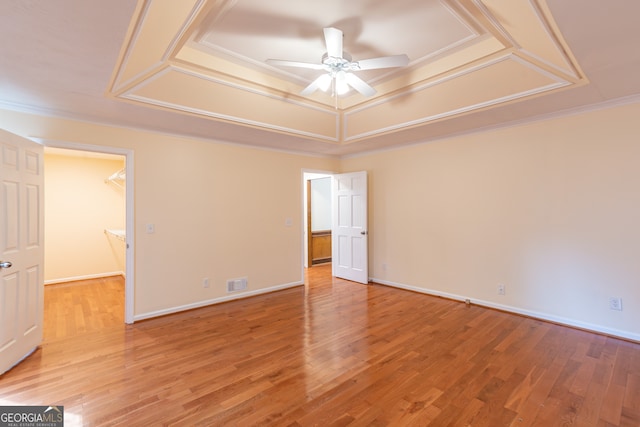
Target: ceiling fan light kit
{"type": "Point", "coordinates": [339, 67]}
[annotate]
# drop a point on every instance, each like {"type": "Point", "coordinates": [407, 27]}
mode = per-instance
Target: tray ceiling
{"type": "Point", "coordinates": [208, 58]}
{"type": "Point", "coordinates": [197, 67]}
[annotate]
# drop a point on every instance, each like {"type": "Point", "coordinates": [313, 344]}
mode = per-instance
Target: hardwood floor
{"type": "Point", "coordinates": [332, 353]}
{"type": "Point", "coordinates": [83, 306]}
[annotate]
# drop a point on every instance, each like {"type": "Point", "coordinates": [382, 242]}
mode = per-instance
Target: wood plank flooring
{"type": "Point", "coordinates": [331, 353]}
{"type": "Point", "coordinates": [83, 306]}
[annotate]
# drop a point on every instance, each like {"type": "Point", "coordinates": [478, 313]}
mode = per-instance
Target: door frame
{"type": "Point", "coordinates": [308, 216]}
{"type": "Point", "coordinates": [303, 193]}
{"type": "Point", "coordinates": [129, 280]}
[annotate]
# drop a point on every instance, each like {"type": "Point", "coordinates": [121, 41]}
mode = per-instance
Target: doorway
{"type": "Point", "coordinates": [349, 218]}
{"type": "Point", "coordinates": [114, 235]}
{"type": "Point", "coordinates": [319, 221]}
{"type": "Point", "coordinates": [317, 218]}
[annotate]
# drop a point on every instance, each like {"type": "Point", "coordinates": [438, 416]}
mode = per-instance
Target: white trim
{"type": "Point", "coordinates": [495, 23]}
{"type": "Point", "coordinates": [46, 112]}
{"type": "Point", "coordinates": [235, 119]}
{"type": "Point", "coordinates": [571, 67]}
{"type": "Point", "coordinates": [84, 277]}
{"type": "Point", "coordinates": [553, 115]}
{"type": "Point", "coordinates": [557, 83]}
{"type": "Point", "coordinates": [567, 72]}
{"type": "Point", "coordinates": [431, 83]}
{"type": "Point", "coordinates": [516, 310]}
{"type": "Point", "coordinates": [118, 85]}
{"type": "Point", "coordinates": [195, 10]}
{"type": "Point", "coordinates": [199, 304]}
{"type": "Point", "coordinates": [129, 282]}
{"type": "Point", "coordinates": [203, 44]}
{"type": "Point", "coordinates": [303, 222]}
{"type": "Point", "coordinates": [560, 114]}
{"type": "Point", "coordinates": [130, 94]}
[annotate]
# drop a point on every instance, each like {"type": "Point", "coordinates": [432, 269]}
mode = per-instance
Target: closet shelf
{"type": "Point", "coordinates": [118, 234]}
{"type": "Point", "coordinates": [116, 178]}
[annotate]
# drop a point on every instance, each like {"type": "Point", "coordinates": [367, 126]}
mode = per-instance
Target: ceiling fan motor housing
{"type": "Point", "coordinates": [334, 64]}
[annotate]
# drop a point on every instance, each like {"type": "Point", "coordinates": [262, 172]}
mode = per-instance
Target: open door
{"type": "Point", "coordinates": [349, 229]}
{"type": "Point", "coordinates": [21, 248]}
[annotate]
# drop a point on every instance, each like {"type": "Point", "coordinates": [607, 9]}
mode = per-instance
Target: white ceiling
{"type": "Point", "coordinates": [475, 64]}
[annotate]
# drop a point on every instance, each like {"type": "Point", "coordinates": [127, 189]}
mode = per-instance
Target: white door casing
{"type": "Point", "coordinates": [349, 236]}
{"type": "Point", "coordinates": [21, 244]}
{"type": "Point", "coordinates": [129, 316]}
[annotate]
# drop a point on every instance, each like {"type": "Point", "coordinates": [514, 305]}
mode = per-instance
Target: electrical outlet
{"type": "Point", "coordinates": [501, 289]}
{"type": "Point", "coordinates": [615, 303]}
{"type": "Point", "coordinates": [205, 282]}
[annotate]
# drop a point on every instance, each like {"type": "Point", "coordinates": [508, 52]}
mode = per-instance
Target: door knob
{"type": "Point", "coordinates": [363, 232]}
{"type": "Point", "coordinates": [5, 264]}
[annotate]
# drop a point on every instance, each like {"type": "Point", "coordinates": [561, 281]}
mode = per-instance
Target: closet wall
{"type": "Point", "coordinates": [80, 204]}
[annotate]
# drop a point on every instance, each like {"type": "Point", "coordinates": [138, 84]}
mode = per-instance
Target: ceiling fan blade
{"type": "Point", "coordinates": [383, 62]}
{"type": "Point", "coordinates": [315, 85]}
{"type": "Point", "coordinates": [358, 84]}
{"type": "Point", "coordinates": [284, 63]}
{"type": "Point", "coordinates": [333, 40]}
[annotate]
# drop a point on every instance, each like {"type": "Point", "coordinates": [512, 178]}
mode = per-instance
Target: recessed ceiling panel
{"type": "Point", "coordinates": [183, 91]}
{"type": "Point", "coordinates": [502, 80]}
{"type": "Point", "coordinates": [153, 38]}
{"type": "Point", "coordinates": [523, 21]}
{"type": "Point", "coordinates": [253, 31]}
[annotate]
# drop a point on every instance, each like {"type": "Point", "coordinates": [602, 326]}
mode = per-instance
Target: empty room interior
{"type": "Point", "coordinates": [238, 212]}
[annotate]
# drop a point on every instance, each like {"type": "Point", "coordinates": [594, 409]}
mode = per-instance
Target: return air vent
{"type": "Point", "coordinates": [235, 285]}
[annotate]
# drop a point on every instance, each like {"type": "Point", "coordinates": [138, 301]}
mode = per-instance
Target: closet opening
{"type": "Point", "coordinates": [88, 240]}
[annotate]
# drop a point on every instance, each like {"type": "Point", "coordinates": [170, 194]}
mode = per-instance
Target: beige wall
{"type": "Point", "coordinates": [549, 209]}
{"type": "Point", "coordinates": [219, 211]}
{"type": "Point", "coordinates": [79, 206]}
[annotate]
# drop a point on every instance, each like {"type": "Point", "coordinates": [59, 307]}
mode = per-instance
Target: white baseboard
{"type": "Point", "coordinates": [85, 277]}
{"type": "Point", "coordinates": [516, 310]}
{"type": "Point", "coordinates": [235, 296]}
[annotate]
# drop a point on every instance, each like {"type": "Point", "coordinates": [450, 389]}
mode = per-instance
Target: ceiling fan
{"type": "Point", "coordinates": [339, 66]}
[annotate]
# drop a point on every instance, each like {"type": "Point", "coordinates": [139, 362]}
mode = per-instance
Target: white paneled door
{"type": "Point", "coordinates": [349, 231]}
{"type": "Point", "coordinates": [21, 248]}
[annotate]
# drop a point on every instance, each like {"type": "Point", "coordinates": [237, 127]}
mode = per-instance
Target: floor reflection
{"type": "Point", "coordinates": [336, 320]}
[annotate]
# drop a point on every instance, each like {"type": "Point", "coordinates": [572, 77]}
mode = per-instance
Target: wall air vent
{"type": "Point", "coordinates": [235, 285]}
